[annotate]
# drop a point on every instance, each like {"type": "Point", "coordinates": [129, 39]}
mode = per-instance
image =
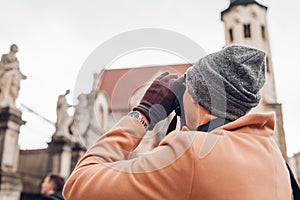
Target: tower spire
{"type": "Point", "coordinates": [234, 3]}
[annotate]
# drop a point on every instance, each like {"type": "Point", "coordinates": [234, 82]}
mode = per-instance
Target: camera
{"type": "Point", "coordinates": [178, 108]}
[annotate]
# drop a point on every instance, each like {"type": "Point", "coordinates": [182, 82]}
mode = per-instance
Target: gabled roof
{"type": "Point", "coordinates": [119, 85]}
{"type": "Point", "coordinates": [241, 3]}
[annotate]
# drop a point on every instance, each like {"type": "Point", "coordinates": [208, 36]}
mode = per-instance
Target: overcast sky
{"type": "Point", "coordinates": [55, 38]}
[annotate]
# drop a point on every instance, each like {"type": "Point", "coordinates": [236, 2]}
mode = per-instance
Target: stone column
{"type": "Point", "coordinates": [10, 180]}
{"type": "Point", "coordinates": [78, 151]}
{"type": "Point", "coordinates": [60, 158]}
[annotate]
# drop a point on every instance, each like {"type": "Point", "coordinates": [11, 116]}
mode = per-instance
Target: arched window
{"type": "Point", "coordinates": [263, 32]}
{"type": "Point", "coordinates": [268, 64]}
{"type": "Point", "coordinates": [231, 35]}
{"type": "Point", "coordinates": [247, 31]}
{"type": "Point", "coordinates": [101, 110]}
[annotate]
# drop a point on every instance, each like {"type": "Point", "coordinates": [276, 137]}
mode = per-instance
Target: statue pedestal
{"type": "Point", "coordinates": [10, 180]}
{"type": "Point", "coordinates": [78, 150]}
{"type": "Point", "coordinates": [60, 158]}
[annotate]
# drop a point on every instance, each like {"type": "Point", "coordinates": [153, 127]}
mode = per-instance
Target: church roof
{"type": "Point", "coordinates": [234, 3]}
{"type": "Point", "coordinates": [119, 85]}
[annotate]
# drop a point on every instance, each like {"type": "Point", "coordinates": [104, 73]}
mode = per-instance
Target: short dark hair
{"type": "Point", "coordinates": [57, 180]}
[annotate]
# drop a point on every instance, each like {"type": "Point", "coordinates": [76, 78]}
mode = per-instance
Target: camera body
{"type": "Point", "coordinates": [178, 108]}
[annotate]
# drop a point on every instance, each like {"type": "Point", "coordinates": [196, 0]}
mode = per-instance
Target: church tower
{"type": "Point", "coordinates": [246, 23]}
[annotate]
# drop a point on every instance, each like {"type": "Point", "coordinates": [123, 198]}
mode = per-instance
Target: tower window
{"type": "Point", "coordinates": [231, 34]}
{"type": "Point", "coordinates": [263, 32]}
{"type": "Point", "coordinates": [247, 31]}
{"type": "Point", "coordinates": [268, 64]}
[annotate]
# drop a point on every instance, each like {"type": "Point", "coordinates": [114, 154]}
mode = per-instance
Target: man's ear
{"type": "Point", "coordinates": [189, 95]}
{"type": "Point", "coordinates": [191, 98]}
{"type": "Point", "coordinates": [193, 101]}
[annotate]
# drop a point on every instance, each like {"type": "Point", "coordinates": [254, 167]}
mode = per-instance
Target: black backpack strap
{"type": "Point", "coordinates": [294, 184]}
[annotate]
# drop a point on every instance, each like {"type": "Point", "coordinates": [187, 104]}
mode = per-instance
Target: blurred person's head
{"type": "Point", "coordinates": [52, 183]}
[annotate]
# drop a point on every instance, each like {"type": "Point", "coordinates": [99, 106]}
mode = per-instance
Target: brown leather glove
{"type": "Point", "coordinates": [158, 101]}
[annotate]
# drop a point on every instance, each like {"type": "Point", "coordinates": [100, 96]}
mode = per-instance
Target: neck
{"type": "Point", "coordinates": [206, 118]}
{"type": "Point", "coordinates": [50, 192]}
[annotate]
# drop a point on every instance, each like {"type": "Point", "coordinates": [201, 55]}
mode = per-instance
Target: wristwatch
{"type": "Point", "coordinates": [137, 115]}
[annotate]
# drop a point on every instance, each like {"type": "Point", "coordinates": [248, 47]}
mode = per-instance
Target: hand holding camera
{"type": "Point", "coordinates": [159, 100]}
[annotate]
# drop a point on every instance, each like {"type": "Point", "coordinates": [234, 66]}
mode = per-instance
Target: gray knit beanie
{"type": "Point", "coordinates": [227, 83]}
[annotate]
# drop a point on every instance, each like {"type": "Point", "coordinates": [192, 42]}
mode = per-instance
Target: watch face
{"type": "Point", "coordinates": [138, 116]}
{"type": "Point", "coordinates": [134, 114]}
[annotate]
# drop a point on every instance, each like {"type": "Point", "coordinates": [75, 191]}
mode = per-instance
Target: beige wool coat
{"type": "Point", "coordinates": [238, 161]}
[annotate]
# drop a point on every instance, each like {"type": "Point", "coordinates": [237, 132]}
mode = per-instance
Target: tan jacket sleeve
{"type": "Point", "coordinates": [106, 172]}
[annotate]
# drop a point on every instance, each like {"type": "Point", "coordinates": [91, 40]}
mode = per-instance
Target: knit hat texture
{"type": "Point", "coordinates": [227, 83]}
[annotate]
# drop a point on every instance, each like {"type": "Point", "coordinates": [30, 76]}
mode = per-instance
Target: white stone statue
{"type": "Point", "coordinates": [81, 115]}
{"type": "Point", "coordinates": [85, 127]}
{"type": "Point", "coordinates": [10, 77]}
{"type": "Point", "coordinates": [63, 120]}
{"type": "Point", "coordinates": [80, 119]}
